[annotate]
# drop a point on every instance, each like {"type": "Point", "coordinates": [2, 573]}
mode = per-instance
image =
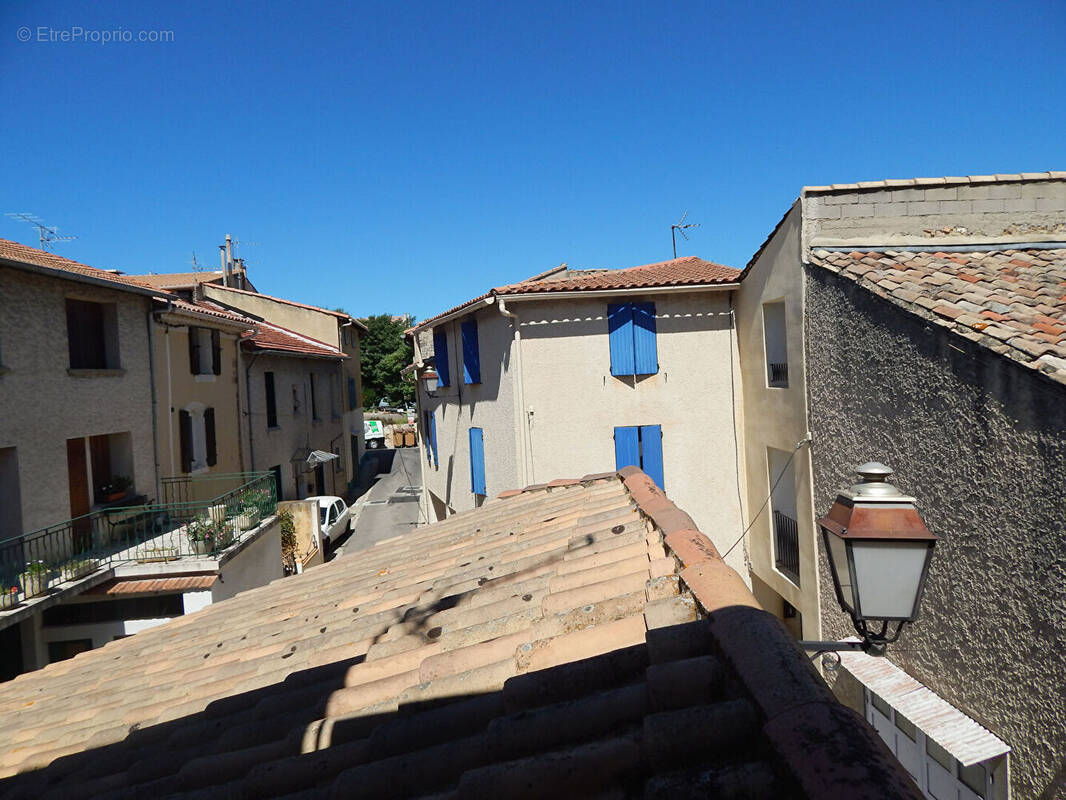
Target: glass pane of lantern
{"type": "Point", "coordinates": [887, 575]}
{"type": "Point", "coordinates": [838, 551]}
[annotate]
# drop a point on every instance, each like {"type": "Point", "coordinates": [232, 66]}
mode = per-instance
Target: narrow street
{"type": "Point", "coordinates": [390, 508]}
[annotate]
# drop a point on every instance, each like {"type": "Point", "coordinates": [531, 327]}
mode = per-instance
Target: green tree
{"type": "Point", "coordinates": [383, 352]}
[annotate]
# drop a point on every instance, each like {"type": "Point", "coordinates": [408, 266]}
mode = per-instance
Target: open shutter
{"type": "Point", "coordinates": [645, 354]}
{"type": "Point", "coordinates": [194, 350]}
{"type": "Point", "coordinates": [433, 438]}
{"type": "Point", "coordinates": [651, 453]}
{"type": "Point", "coordinates": [209, 436]}
{"type": "Point", "coordinates": [620, 331]}
{"type": "Point", "coordinates": [216, 353]}
{"type": "Point", "coordinates": [426, 437]}
{"type": "Point", "coordinates": [626, 447]}
{"type": "Point", "coordinates": [185, 433]}
{"type": "Point", "coordinates": [477, 461]}
{"type": "Point", "coordinates": [440, 357]}
{"type": "Point", "coordinates": [471, 355]}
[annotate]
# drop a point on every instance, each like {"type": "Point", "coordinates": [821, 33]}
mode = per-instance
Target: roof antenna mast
{"type": "Point", "coordinates": [45, 233]}
{"type": "Point", "coordinates": [679, 227]}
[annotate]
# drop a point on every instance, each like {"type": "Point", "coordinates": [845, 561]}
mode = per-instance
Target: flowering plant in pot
{"type": "Point", "coordinates": [34, 578]}
{"type": "Point", "coordinates": [9, 596]}
{"type": "Point", "coordinates": [73, 570]}
{"type": "Point", "coordinates": [204, 535]}
{"type": "Point", "coordinates": [116, 488]}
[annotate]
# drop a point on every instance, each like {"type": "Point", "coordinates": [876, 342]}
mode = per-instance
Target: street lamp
{"type": "Point", "coordinates": [430, 380]}
{"type": "Point", "coordinates": [879, 552]}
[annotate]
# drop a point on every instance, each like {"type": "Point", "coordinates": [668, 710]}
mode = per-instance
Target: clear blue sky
{"type": "Point", "coordinates": [403, 157]}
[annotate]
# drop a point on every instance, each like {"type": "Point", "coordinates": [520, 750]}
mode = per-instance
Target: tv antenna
{"type": "Point", "coordinates": [45, 233]}
{"type": "Point", "coordinates": [679, 227]}
{"type": "Point", "coordinates": [196, 265]}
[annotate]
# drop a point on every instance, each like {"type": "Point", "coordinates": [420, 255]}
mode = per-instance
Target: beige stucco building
{"type": "Point", "coordinates": [341, 383]}
{"type": "Point", "coordinates": [552, 397]}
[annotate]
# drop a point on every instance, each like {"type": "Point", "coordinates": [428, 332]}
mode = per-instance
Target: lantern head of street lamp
{"type": "Point", "coordinates": [430, 380]}
{"type": "Point", "coordinates": [879, 552]}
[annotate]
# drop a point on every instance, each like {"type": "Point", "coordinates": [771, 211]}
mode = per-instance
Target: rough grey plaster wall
{"type": "Point", "coordinates": [981, 443]}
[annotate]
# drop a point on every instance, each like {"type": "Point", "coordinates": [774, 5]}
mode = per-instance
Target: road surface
{"type": "Point", "coordinates": [390, 508]}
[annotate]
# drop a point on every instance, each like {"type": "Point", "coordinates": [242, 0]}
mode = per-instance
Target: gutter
{"type": "Point", "coordinates": [520, 419]}
{"type": "Point", "coordinates": [155, 397]}
{"type": "Point", "coordinates": [584, 293]}
{"type": "Point", "coordinates": [462, 311]}
{"type": "Point", "coordinates": [984, 247]}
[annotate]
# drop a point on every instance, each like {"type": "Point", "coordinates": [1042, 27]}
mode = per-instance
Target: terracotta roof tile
{"type": "Point", "coordinates": [183, 583]}
{"type": "Point", "coordinates": [178, 280]}
{"type": "Point", "coordinates": [274, 338]}
{"type": "Point", "coordinates": [1011, 301]}
{"type": "Point", "coordinates": [687, 271]}
{"type": "Point", "coordinates": [20, 253]}
{"type": "Point", "coordinates": [212, 310]}
{"type": "Point", "coordinates": [540, 644]}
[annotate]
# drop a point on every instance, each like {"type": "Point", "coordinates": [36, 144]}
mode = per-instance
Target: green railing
{"type": "Point", "coordinates": [216, 512]}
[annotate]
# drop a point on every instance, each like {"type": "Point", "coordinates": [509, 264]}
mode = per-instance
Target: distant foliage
{"type": "Point", "coordinates": [384, 351]}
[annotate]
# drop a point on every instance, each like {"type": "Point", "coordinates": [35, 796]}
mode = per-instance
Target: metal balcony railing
{"type": "Point", "coordinates": [786, 546]}
{"type": "Point", "coordinates": [204, 516]}
{"type": "Point", "coordinates": [778, 374]}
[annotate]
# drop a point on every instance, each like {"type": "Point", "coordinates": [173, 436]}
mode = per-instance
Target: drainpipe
{"type": "Point", "coordinates": [155, 400]}
{"type": "Point", "coordinates": [521, 424]}
{"type": "Point", "coordinates": [248, 396]}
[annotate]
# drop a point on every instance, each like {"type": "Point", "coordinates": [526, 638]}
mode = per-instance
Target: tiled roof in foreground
{"type": "Point", "coordinates": [32, 256]}
{"type": "Point", "coordinates": [573, 640]}
{"type": "Point", "coordinates": [1011, 301]}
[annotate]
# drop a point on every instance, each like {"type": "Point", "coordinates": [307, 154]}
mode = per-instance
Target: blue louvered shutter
{"type": "Point", "coordinates": [427, 438]}
{"type": "Point", "coordinates": [440, 357]}
{"type": "Point", "coordinates": [620, 334]}
{"type": "Point", "coordinates": [477, 461]}
{"type": "Point", "coordinates": [651, 453]}
{"type": "Point", "coordinates": [471, 356]}
{"type": "Point", "coordinates": [433, 438]}
{"type": "Point", "coordinates": [626, 447]}
{"type": "Point", "coordinates": [645, 354]}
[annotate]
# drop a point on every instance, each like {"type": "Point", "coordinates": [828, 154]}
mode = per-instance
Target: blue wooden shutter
{"type": "Point", "coordinates": [626, 447]}
{"type": "Point", "coordinates": [620, 334]}
{"type": "Point", "coordinates": [645, 354]}
{"type": "Point", "coordinates": [477, 461]}
{"type": "Point", "coordinates": [651, 453]}
{"type": "Point", "coordinates": [433, 437]}
{"type": "Point", "coordinates": [426, 436]}
{"type": "Point", "coordinates": [471, 356]}
{"type": "Point", "coordinates": [440, 357]}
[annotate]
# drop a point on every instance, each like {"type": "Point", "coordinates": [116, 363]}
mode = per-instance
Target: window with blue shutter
{"type": "Point", "coordinates": [631, 335]}
{"type": "Point", "coordinates": [640, 446]}
{"type": "Point", "coordinates": [471, 355]}
{"type": "Point", "coordinates": [351, 394]}
{"type": "Point", "coordinates": [477, 461]}
{"type": "Point", "coordinates": [440, 357]}
{"type": "Point", "coordinates": [426, 437]}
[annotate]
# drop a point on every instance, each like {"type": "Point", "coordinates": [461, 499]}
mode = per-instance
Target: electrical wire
{"type": "Point", "coordinates": [765, 502]}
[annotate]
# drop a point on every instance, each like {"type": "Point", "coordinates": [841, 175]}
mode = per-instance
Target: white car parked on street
{"type": "Point", "coordinates": [334, 519]}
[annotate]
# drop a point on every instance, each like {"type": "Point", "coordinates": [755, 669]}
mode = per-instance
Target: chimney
{"type": "Point", "coordinates": [227, 277]}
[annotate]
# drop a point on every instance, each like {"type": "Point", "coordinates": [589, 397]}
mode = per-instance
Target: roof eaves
{"type": "Point", "coordinates": [944, 181]}
{"type": "Point", "coordinates": [79, 277]}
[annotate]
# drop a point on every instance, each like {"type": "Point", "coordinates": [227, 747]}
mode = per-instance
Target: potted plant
{"type": "Point", "coordinates": [9, 596]}
{"type": "Point", "coordinates": [202, 534]}
{"type": "Point", "coordinates": [34, 578]}
{"type": "Point", "coordinates": [78, 568]}
{"type": "Point", "coordinates": [116, 488]}
{"type": "Point", "coordinates": [249, 516]}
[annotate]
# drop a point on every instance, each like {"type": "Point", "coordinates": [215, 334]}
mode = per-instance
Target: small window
{"type": "Point", "coordinates": [775, 333]}
{"type": "Point", "coordinates": [440, 357]}
{"type": "Point", "coordinates": [477, 461]}
{"type": "Point", "coordinates": [631, 337]}
{"type": "Point", "coordinates": [197, 437]}
{"type": "Point", "coordinates": [205, 351]}
{"type": "Point", "coordinates": [640, 446]}
{"type": "Point", "coordinates": [314, 404]}
{"type": "Point", "coordinates": [352, 400]}
{"type": "Point", "coordinates": [10, 496]}
{"type": "Point", "coordinates": [92, 335]}
{"type": "Point", "coordinates": [271, 402]}
{"type": "Point", "coordinates": [334, 396]}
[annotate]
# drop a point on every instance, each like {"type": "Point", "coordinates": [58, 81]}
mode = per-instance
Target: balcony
{"type": "Point", "coordinates": [200, 519]}
{"type": "Point", "coordinates": [786, 546]}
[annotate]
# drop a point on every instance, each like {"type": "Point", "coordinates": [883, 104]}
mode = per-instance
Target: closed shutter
{"type": "Point", "coordinates": [645, 354]}
{"type": "Point", "coordinates": [471, 355]}
{"type": "Point", "coordinates": [440, 357]}
{"type": "Point", "coordinates": [620, 335]}
{"type": "Point", "coordinates": [477, 461]}
{"type": "Point", "coordinates": [185, 432]}
{"type": "Point", "coordinates": [194, 350]}
{"type": "Point", "coordinates": [626, 447]}
{"type": "Point", "coordinates": [351, 394]}
{"type": "Point", "coordinates": [209, 436]}
{"type": "Point", "coordinates": [651, 453]}
{"type": "Point", "coordinates": [216, 353]}
{"type": "Point", "coordinates": [433, 438]}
